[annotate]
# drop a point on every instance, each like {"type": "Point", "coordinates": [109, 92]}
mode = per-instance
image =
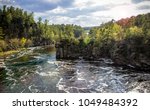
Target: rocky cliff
{"type": "Point", "coordinates": [124, 53]}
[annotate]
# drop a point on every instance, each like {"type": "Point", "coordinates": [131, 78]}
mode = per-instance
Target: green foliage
{"type": "Point", "coordinates": [3, 45]}
{"type": "Point", "coordinates": [14, 44]}
{"type": "Point", "coordinates": [1, 33]}
{"type": "Point", "coordinates": [69, 33]}
{"type": "Point", "coordinates": [117, 32]}
{"type": "Point", "coordinates": [28, 43]}
{"type": "Point", "coordinates": [107, 33]}
{"type": "Point", "coordinates": [123, 29]}
{"type": "Point", "coordinates": [16, 23]}
{"type": "Point", "coordinates": [23, 41]}
{"type": "Point", "coordinates": [76, 41]}
{"type": "Point", "coordinates": [87, 40]}
{"type": "Point", "coordinates": [127, 39]}
{"type": "Point", "coordinates": [134, 31]}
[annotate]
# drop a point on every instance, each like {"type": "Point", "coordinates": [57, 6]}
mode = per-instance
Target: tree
{"type": "Point", "coordinates": [1, 33]}
{"type": "Point", "coordinates": [87, 40]}
{"type": "Point", "coordinates": [3, 45]}
{"type": "Point", "coordinates": [23, 42]}
{"type": "Point", "coordinates": [134, 32]}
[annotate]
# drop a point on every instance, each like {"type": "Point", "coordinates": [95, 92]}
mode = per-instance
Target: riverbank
{"type": "Point", "coordinates": [7, 53]}
{"type": "Point", "coordinates": [4, 55]}
{"type": "Point", "coordinates": [121, 53]}
{"type": "Point", "coordinates": [36, 70]}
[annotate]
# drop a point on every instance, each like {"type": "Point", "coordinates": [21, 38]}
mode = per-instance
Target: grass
{"type": "Point", "coordinates": [10, 52]}
{"type": "Point", "coordinates": [7, 53]}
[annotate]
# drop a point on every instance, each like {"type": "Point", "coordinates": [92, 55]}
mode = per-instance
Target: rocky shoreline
{"type": "Point", "coordinates": [72, 51]}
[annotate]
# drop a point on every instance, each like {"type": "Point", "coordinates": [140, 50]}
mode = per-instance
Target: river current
{"type": "Point", "coordinates": [36, 70]}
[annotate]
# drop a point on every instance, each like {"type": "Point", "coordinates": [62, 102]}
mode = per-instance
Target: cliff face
{"type": "Point", "coordinates": [72, 51]}
{"type": "Point", "coordinates": [125, 53]}
{"type": "Point", "coordinates": [133, 52]}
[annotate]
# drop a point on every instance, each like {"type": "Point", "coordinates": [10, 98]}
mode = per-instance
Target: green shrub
{"type": "Point", "coordinates": [3, 45]}
{"type": "Point", "coordinates": [28, 43]}
{"type": "Point", "coordinates": [23, 42]}
{"type": "Point", "coordinates": [14, 43]}
{"type": "Point", "coordinates": [87, 40]}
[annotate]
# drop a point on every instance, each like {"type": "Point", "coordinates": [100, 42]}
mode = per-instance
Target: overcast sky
{"type": "Point", "coordinates": [81, 12]}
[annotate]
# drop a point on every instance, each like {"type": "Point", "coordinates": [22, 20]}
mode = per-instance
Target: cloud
{"type": "Point", "coordinates": [58, 10]}
{"type": "Point", "coordinates": [82, 20]}
{"type": "Point", "coordinates": [86, 7]}
{"type": "Point", "coordinates": [100, 2]}
{"type": "Point", "coordinates": [74, 12]}
{"type": "Point", "coordinates": [52, 1]}
{"type": "Point", "coordinates": [91, 13]}
{"type": "Point", "coordinates": [42, 5]}
{"type": "Point", "coordinates": [82, 12]}
{"type": "Point", "coordinates": [8, 3]}
{"type": "Point", "coordinates": [143, 7]}
{"type": "Point", "coordinates": [139, 1]}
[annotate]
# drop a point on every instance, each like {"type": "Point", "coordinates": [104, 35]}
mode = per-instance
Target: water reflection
{"type": "Point", "coordinates": [37, 70]}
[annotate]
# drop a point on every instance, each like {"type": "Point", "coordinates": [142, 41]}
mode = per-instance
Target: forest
{"type": "Point", "coordinates": [126, 41]}
{"type": "Point", "coordinates": [18, 29]}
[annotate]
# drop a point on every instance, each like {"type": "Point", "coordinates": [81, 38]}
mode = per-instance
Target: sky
{"type": "Point", "coordinates": [81, 12]}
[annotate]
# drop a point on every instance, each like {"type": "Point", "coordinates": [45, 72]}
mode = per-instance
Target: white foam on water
{"type": "Point", "coordinates": [33, 89]}
{"type": "Point", "coordinates": [11, 79]}
{"type": "Point", "coordinates": [13, 85]}
{"type": "Point", "coordinates": [53, 74]}
{"type": "Point", "coordinates": [109, 72]}
{"type": "Point", "coordinates": [108, 61]}
{"type": "Point", "coordinates": [81, 79]}
{"type": "Point", "coordinates": [59, 84]}
{"type": "Point", "coordinates": [38, 57]}
{"type": "Point", "coordinates": [51, 62]}
{"type": "Point", "coordinates": [106, 68]}
{"type": "Point", "coordinates": [23, 76]}
{"type": "Point", "coordinates": [43, 74]}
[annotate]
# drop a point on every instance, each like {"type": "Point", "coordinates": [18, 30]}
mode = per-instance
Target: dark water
{"type": "Point", "coordinates": [37, 70]}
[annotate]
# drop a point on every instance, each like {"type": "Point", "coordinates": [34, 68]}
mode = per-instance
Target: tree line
{"type": "Point", "coordinates": [126, 41]}
{"type": "Point", "coordinates": [18, 29]}
{"type": "Point", "coordinates": [129, 38]}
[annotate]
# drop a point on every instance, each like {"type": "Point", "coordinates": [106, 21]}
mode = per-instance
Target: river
{"type": "Point", "coordinates": [36, 70]}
